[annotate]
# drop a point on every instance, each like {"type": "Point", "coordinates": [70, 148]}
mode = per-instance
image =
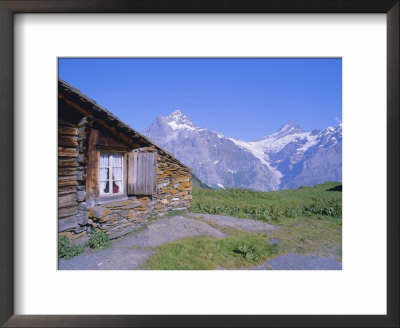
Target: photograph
{"type": "Point", "coordinates": [192, 163]}
{"type": "Point", "coordinates": [188, 149]}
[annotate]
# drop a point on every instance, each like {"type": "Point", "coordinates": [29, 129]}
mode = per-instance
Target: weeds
{"type": "Point", "coordinates": [66, 250]}
{"type": "Point", "coordinates": [269, 206]}
{"type": "Point", "coordinates": [248, 251]}
{"type": "Point", "coordinates": [98, 240]}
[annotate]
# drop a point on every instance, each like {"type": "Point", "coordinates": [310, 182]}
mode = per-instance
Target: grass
{"type": "Point", "coordinates": [311, 235]}
{"type": "Point", "coordinates": [310, 220]}
{"type": "Point", "coordinates": [206, 253]}
{"type": "Point", "coordinates": [270, 206]}
{"type": "Point", "coordinates": [302, 235]}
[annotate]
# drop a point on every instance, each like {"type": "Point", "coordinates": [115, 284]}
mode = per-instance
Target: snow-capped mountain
{"type": "Point", "coordinates": [216, 160]}
{"type": "Point", "coordinates": [290, 153]}
{"type": "Point", "coordinates": [286, 159]}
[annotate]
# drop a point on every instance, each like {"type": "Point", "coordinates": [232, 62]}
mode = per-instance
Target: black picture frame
{"type": "Point", "coordinates": [10, 7]}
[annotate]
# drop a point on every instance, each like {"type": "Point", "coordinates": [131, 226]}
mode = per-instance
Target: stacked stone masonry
{"type": "Point", "coordinates": [174, 192]}
{"type": "Point", "coordinates": [116, 218]}
{"type": "Point", "coordinates": [72, 166]}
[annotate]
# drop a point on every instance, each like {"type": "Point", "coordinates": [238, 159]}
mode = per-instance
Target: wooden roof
{"type": "Point", "coordinates": [88, 107]}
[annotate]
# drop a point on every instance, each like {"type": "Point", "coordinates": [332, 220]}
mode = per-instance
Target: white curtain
{"type": "Point", "coordinates": [117, 160]}
{"type": "Point", "coordinates": [104, 160]}
{"type": "Point", "coordinates": [117, 167]}
{"type": "Point", "coordinates": [104, 173]}
{"type": "Point", "coordinates": [114, 160]}
{"type": "Point", "coordinates": [117, 172]}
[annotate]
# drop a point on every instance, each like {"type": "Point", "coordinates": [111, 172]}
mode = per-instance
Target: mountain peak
{"type": "Point", "coordinates": [291, 125]}
{"type": "Point", "coordinates": [288, 158]}
{"type": "Point", "coordinates": [178, 121]}
{"type": "Point", "coordinates": [176, 112]}
{"type": "Point", "coordinates": [177, 115]}
{"type": "Point", "coordinates": [289, 128]}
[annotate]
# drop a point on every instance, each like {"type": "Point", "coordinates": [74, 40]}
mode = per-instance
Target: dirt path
{"type": "Point", "coordinates": [129, 252]}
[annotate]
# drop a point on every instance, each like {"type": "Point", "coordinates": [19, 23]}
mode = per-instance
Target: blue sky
{"type": "Point", "coordinates": [243, 98]}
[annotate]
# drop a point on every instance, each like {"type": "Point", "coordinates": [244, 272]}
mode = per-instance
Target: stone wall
{"type": "Point", "coordinates": [116, 218]}
{"type": "Point", "coordinates": [77, 173]}
{"type": "Point", "coordinates": [174, 192]}
{"type": "Point", "coordinates": [72, 166]}
{"type": "Point", "coordinates": [174, 186]}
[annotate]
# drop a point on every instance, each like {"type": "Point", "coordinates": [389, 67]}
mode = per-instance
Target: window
{"type": "Point", "coordinates": [111, 174]}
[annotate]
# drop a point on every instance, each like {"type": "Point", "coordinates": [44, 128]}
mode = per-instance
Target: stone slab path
{"type": "Point", "coordinates": [129, 252]}
{"type": "Point", "coordinates": [113, 258]}
{"type": "Point", "coordinates": [299, 262]}
{"type": "Point", "coordinates": [236, 223]}
{"type": "Point", "coordinates": [124, 253]}
{"type": "Point", "coordinates": [168, 230]}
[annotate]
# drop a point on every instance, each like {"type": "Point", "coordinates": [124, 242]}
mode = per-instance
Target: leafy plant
{"type": "Point", "coordinates": [98, 240]}
{"type": "Point", "coordinates": [248, 251]}
{"type": "Point", "coordinates": [66, 250]}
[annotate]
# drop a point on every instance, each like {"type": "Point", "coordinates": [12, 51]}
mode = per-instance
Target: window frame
{"type": "Point", "coordinates": [122, 191]}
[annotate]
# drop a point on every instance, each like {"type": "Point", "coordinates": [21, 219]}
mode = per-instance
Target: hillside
{"type": "Point", "coordinates": [198, 184]}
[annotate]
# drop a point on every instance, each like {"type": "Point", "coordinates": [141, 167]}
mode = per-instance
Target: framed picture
{"type": "Point", "coordinates": [34, 293]}
{"type": "Point", "coordinates": [189, 176]}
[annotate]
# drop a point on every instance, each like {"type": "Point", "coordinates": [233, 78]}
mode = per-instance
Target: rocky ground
{"type": "Point", "coordinates": [129, 252]}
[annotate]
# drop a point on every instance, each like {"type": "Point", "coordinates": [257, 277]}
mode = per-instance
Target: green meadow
{"type": "Point", "coordinates": [273, 207]}
{"type": "Point", "coordinates": [310, 219]}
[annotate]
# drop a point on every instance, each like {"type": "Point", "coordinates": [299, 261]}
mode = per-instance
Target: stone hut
{"type": "Point", "coordinates": [111, 177]}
